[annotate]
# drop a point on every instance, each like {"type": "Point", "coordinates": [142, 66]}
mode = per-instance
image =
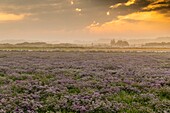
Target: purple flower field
{"type": "Point", "coordinates": [93, 82]}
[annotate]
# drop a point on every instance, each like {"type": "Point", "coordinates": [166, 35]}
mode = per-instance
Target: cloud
{"type": "Point", "coordinates": [158, 4]}
{"type": "Point", "coordinates": [116, 5]}
{"type": "Point", "coordinates": [78, 9]}
{"type": "Point", "coordinates": [128, 3]}
{"type": "Point", "coordinates": [72, 2]}
{"type": "Point", "coordinates": [74, 14]}
{"type": "Point", "coordinates": [11, 17]}
{"type": "Point", "coordinates": [134, 25]}
{"type": "Point", "coordinates": [152, 16]}
{"type": "Point", "coordinates": [94, 24]}
{"type": "Point", "coordinates": [60, 12]}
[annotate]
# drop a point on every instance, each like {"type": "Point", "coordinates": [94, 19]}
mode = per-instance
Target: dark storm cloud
{"type": "Point", "coordinates": [60, 14]}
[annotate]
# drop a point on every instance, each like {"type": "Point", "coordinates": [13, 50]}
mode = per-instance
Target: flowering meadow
{"type": "Point", "coordinates": [84, 82]}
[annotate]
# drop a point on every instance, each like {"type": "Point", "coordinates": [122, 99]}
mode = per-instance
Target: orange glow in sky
{"type": "Point", "coordinates": [72, 20]}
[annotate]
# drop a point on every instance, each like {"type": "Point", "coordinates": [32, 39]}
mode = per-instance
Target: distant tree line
{"type": "Point", "coordinates": [38, 44]}
{"type": "Point", "coordinates": [118, 43]}
{"type": "Point", "coordinates": [158, 44]}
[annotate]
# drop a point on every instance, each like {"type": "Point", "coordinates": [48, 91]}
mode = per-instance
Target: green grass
{"type": "Point", "coordinates": [164, 93]}
{"type": "Point", "coordinates": [74, 90]}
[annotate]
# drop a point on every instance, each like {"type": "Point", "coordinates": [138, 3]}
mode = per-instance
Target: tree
{"type": "Point", "coordinates": [112, 42]}
{"type": "Point", "coordinates": [122, 43]}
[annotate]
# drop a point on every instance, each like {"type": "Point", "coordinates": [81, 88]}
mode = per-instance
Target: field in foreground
{"type": "Point", "coordinates": [84, 82]}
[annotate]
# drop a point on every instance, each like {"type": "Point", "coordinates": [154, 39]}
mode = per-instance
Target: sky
{"type": "Point", "coordinates": [83, 20]}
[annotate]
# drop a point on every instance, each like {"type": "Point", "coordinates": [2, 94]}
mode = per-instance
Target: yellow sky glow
{"type": "Point", "coordinates": [11, 17]}
{"type": "Point", "coordinates": [70, 20]}
{"type": "Point", "coordinates": [135, 22]}
{"type": "Point", "coordinates": [152, 16]}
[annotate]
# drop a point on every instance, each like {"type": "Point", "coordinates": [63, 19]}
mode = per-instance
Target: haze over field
{"type": "Point", "coordinates": [83, 20]}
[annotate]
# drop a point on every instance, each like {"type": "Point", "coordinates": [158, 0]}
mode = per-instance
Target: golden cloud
{"type": "Point", "coordinates": [72, 2]}
{"type": "Point", "coordinates": [11, 17]}
{"type": "Point", "coordinates": [116, 5]}
{"type": "Point", "coordinates": [155, 4]}
{"type": "Point", "coordinates": [94, 24]}
{"type": "Point", "coordinates": [139, 22]}
{"type": "Point", "coordinates": [146, 16]}
{"type": "Point", "coordinates": [128, 3]}
{"type": "Point", "coordinates": [78, 9]}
